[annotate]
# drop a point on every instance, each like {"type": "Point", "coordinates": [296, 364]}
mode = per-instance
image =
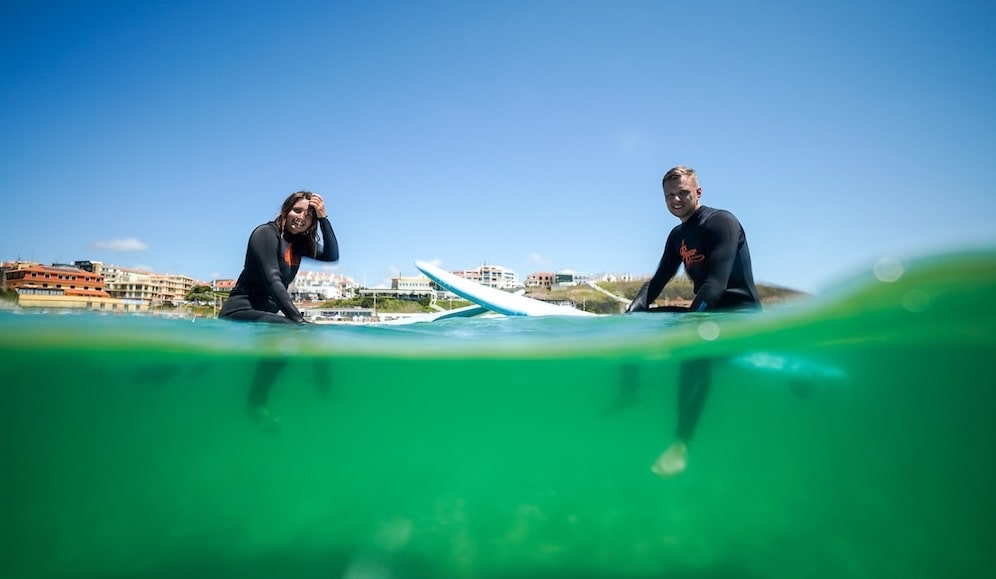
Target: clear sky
{"type": "Point", "coordinates": [527, 134]}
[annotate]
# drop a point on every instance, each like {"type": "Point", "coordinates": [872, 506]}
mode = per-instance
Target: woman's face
{"type": "Point", "coordinates": [300, 217]}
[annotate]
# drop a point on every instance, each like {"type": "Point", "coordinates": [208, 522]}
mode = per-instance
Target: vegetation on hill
{"type": "Point", "coordinates": [394, 306]}
{"type": "Point", "coordinates": [201, 294]}
{"type": "Point", "coordinates": [680, 289]}
{"type": "Point", "coordinates": [8, 295]}
{"type": "Point", "coordinates": [678, 292]}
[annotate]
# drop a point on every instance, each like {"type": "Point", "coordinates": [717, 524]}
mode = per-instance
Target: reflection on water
{"type": "Point", "coordinates": [848, 437]}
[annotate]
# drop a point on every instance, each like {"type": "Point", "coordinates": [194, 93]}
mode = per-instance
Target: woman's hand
{"type": "Point", "coordinates": [318, 203]}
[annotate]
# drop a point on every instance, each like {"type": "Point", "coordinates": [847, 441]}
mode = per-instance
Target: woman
{"type": "Point", "coordinates": [273, 259]}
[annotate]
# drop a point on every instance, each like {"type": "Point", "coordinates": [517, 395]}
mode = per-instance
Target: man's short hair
{"type": "Point", "coordinates": [676, 173]}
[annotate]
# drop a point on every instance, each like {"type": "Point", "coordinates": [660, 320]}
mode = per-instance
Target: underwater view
{"type": "Point", "coordinates": [846, 435]}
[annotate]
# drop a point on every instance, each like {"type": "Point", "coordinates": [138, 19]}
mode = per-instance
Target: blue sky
{"type": "Point", "coordinates": [528, 134]}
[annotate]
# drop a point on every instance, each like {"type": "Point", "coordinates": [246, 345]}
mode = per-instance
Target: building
{"type": "Point", "coordinates": [419, 284]}
{"type": "Point", "coordinates": [95, 267]}
{"type": "Point", "coordinates": [345, 314]}
{"type": "Point", "coordinates": [540, 279]}
{"type": "Point", "coordinates": [61, 286]}
{"type": "Point", "coordinates": [222, 285]}
{"type": "Point", "coordinates": [404, 288]}
{"type": "Point", "coordinates": [171, 288]}
{"type": "Point", "coordinates": [621, 277]}
{"type": "Point", "coordinates": [130, 284]}
{"type": "Point", "coordinates": [568, 278]}
{"type": "Point", "coordinates": [317, 286]}
{"type": "Point", "coordinates": [12, 265]}
{"type": "Point", "coordinates": [155, 289]}
{"type": "Point", "coordinates": [56, 279]}
{"type": "Point", "coordinates": [494, 276]}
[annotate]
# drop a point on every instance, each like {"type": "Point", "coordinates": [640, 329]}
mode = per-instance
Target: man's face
{"type": "Point", "coordinates": [682, 196]}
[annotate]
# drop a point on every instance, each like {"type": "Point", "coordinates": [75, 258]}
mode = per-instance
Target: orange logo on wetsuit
{"type": "Point", "coordinates": [290, 258]}
{"type": "Point", "coordinates": [690, 256]}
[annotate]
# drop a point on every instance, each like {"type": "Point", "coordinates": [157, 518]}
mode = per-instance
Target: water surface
{"type": "Point", "coordinates": [850, 435]}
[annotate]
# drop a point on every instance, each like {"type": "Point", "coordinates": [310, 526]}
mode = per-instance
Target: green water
{"type": "Point", "coordinates": [848, 436]}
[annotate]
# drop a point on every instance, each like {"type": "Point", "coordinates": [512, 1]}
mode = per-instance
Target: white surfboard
{"type": "Point", "coordinates": [470, 311]}
{"type": "Point", "coordinates": [516, 304]}
{"type": "Point", "coordinates": [493, 299]}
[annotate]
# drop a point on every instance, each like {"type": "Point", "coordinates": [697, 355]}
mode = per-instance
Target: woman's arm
{"type": "Point", "coordinates": [330, 245]}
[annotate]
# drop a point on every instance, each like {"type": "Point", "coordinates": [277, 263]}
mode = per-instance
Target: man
{"type": "Point", "coordinates": [712, 247]}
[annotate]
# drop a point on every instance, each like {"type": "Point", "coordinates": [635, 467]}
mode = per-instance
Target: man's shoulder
{"type": "Point", "coordinates": [711, 213]}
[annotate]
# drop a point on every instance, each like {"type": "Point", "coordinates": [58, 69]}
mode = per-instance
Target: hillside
{"type": "Point", "coordinates": [678, 292]}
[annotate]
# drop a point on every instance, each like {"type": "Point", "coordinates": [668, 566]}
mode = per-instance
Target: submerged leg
{"type": "Point", "coordinates": [323, 377]}
{"type": "Point", "coordinates": [259, 393]}
{"type": "Point", "coordinates": [693, 390]}
{"type": "Point", "coordinates": [801, 388]}
{"type": "Point", "coordinates": [626, 395]}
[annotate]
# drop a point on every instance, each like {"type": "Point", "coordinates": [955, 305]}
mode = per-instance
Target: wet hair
{"type": "Point", "coordinates": [305, 243]}
{"type": "Point", "coordinates": [676, 173]}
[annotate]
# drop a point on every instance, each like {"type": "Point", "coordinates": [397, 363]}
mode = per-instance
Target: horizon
{"type": "Point", "coordinates": [531, 135]}
{"type": "Point", "coordinates": [306, 271]}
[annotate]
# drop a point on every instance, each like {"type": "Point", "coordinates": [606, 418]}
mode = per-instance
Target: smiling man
{"type": "Point", "coordinates": [712, 247]}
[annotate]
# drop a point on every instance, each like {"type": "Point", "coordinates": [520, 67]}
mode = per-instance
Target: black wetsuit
{"type": "Point", "coordinates": [713, 248]}
{"type": "Point", "coordinates": [271, 265]}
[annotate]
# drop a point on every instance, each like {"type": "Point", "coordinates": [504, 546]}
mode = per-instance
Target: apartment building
{"type": "Point", "coordinates": [63, 286]}
{"type": "Point", "coordinates": [317, 285]}
{"type": "Point", "coordinates": [494, 276]}
{"type": "Point", "coordinates": [155, 289]}
{"type": "Point", "coordinates": [172, 288]}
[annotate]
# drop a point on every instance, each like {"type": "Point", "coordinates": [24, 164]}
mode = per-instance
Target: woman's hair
{"type": "Point", "coordinates": [305, 243]}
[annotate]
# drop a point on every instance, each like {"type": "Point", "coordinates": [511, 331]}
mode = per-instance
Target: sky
{"type": "Point", "coordinates": [527, 134]}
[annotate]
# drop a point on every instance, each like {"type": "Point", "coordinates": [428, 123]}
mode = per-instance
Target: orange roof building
{"type": "Point", "coordinates": [64, 287]}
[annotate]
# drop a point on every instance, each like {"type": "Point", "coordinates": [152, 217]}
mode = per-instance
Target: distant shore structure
{"type": "Point", "coordinates": [80, 286]}
{"type": "Point", "coordinates": [92, 285]}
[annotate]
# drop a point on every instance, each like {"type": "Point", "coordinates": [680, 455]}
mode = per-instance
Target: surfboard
{"type": "Point", "coordinates": [470, 311]}
{"type": "Point", "coordinates": [496, 300]}
{"type": "Point", "coordinates": [516, 304]}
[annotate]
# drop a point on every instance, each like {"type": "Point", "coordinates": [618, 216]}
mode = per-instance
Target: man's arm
{"type": "Point", "coordinates": [666, 268]}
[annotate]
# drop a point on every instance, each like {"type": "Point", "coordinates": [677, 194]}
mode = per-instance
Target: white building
{"type": "Point", "coordinates": [321, 285]}
{"type": "Point", "coordinates": [567, 278]}
{"type": "Point", "coordinates": [129, 284]}
{"type": "Point", "coordinates": [619, 277]}
{"type": "Point", "coordinates": [155, 289]}
{"type": "Point", "coordinates": [494, 276]}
